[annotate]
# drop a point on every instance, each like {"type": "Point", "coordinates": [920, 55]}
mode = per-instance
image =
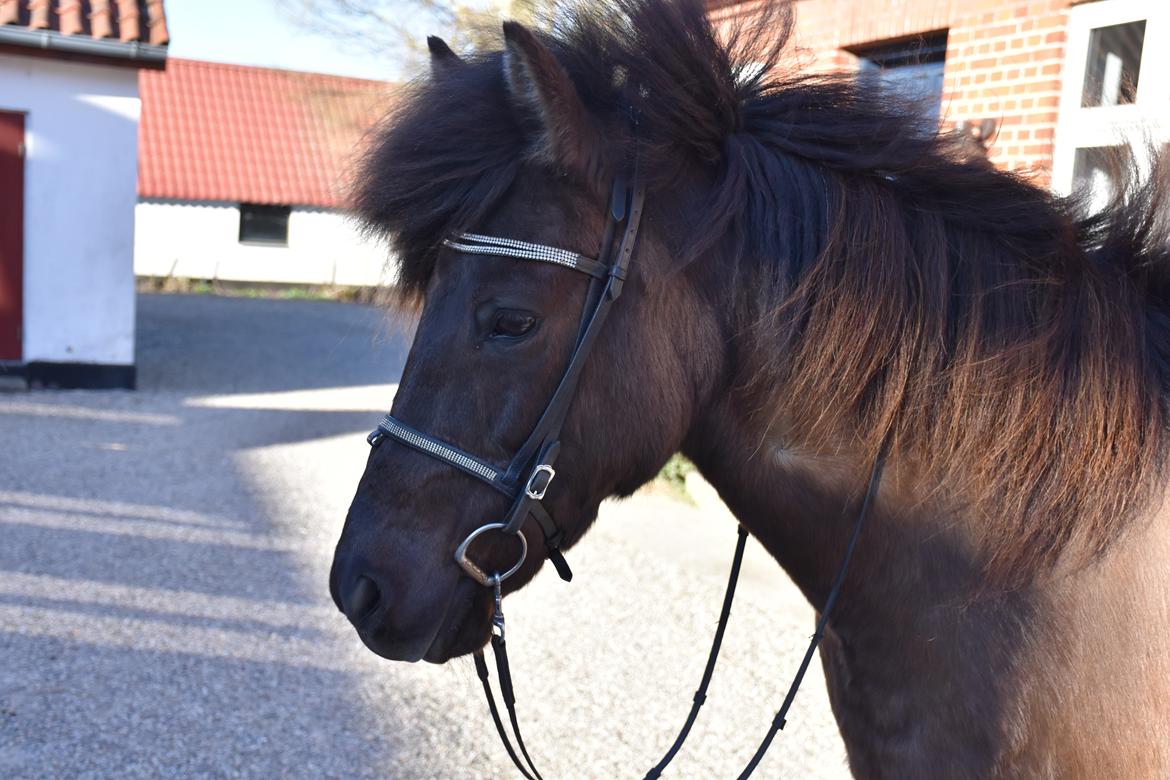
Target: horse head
{"type": "Point", "coordinates": [497, 332]}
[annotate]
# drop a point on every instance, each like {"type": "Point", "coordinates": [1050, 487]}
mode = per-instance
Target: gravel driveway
{"type": "Point", "coordinates": [164, 609]}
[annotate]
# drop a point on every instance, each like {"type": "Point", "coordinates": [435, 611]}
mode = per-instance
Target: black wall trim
{"type": "Point", "coordinates": [80, 376]}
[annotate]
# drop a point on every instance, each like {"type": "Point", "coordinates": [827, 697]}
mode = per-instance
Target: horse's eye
{"type": "Point", "coordinates": [512, 324]}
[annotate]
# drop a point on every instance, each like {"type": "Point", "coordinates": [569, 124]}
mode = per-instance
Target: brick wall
{"type": "Point", "coordinates": [1003, 62]}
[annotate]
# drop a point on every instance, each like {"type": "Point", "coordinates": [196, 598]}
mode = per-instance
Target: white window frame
{"type": "Point", "coordinates": [1139, 124]}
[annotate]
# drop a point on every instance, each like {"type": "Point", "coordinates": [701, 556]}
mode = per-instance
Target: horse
{"type": "Point", "coordinates": [823, 279]}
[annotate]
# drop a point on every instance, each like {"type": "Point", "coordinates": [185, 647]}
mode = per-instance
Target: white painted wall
{"type": "Point", "coordinates": [81, 178]}
{"type": "Point", "coordinates": [200, 240]}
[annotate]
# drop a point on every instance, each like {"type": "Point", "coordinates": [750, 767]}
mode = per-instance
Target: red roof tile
{"type": "Point", "coordinates": [126, 20]}
{"type": "Point", "coordinates": [252, 135]}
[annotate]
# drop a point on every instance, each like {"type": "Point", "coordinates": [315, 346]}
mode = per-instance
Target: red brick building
{"type": "Point", "coordinates": [1049, 82]}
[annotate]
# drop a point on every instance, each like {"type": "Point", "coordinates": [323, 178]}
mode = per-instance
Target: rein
{"type": "Point", "coordinates": [526, 478]}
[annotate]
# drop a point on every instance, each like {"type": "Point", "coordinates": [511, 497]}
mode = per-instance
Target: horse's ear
{"type": "Point", "coordinates": [539, 83]}
{"type": "Point", "coordinates": [442, 58]}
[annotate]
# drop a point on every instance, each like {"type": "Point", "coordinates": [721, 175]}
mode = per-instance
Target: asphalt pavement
{"type": "Point", "coordinates": [164, 609]}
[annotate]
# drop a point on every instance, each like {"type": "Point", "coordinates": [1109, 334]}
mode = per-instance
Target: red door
{"type": "Point", "coordinates": [11, 234]}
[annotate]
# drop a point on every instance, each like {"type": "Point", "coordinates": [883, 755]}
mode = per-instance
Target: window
{"type": "Point", "coordinates": [1114, 64]}
{"type": "Point", "coordinates": [264, 224]}
{"type": "Point", "coordinates": [911, 67]}
{"type": "Point", "coordinates": [1115, 99]}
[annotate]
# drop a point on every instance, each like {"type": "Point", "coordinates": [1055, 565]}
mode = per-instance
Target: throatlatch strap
{"type": "Point", "coordinates": [701, 693]}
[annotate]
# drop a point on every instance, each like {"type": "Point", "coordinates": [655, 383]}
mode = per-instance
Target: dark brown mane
{"type": "Point", "coordinates": [885, 282]}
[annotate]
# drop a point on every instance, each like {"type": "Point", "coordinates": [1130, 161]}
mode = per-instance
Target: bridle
{"type": "Point", "coordinates": [526, 478]}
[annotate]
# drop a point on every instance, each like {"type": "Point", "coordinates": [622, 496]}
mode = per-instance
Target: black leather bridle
{"type": "Point", "coordinates": [526, 478]}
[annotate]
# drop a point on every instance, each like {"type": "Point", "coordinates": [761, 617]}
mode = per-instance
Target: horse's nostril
{"type": "Point", "coordinates": [362, 599]}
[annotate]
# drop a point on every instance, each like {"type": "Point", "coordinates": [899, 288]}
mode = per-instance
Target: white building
{"type": "Point", "coordinates": [243, 175]}
{"type": "Point", "coordinates": [69, 110]}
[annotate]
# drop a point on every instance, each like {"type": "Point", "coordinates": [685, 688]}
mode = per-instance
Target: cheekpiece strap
{"type": "Point", "coordinates": [478, 244]}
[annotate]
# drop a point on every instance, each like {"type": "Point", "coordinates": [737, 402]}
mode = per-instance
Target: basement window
{"type": "Point", "coordinates": [912, 67]}
{"type": "Point", "coordinates": [264, 224]}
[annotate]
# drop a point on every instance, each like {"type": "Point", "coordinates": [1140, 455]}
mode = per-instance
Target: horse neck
{"type": "Point", "coordinates": [932, 670]}
{"type": "Point", "coordinates": [921, 651]}
{"type": "Point", "coordinates": [912, 554]}
{"type": "Point", "coordinates": [891, 631]}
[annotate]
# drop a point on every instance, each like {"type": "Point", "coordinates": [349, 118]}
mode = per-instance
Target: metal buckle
{"type": "Point", "coordinates": [537, 494]}
{"type": "Point", "coordinates": [478, 574]}
{"type": "Point", "coordinates": [498, 614]}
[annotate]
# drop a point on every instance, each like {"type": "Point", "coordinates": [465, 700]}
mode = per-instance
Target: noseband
{"type": "Point", "coordinates": [526, 478]}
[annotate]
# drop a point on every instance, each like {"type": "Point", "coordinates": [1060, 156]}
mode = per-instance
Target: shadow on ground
{"type": "Point", "coordinates": [155, 616]}
{"type": "Point", "coordinates": [213, 344]}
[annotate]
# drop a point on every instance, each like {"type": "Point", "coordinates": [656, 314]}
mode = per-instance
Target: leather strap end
{"type": "Point", "coordinates": [560, 564]}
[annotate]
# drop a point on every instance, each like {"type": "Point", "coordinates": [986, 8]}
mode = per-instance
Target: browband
{"type": "Point", "coordinates": [477, 244]}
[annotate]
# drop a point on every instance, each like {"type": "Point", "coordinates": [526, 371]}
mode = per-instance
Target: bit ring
{"type": "Point", "coordinates": [478, 574]}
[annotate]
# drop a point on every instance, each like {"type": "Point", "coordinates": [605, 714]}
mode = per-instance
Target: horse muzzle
{"type": "Point", "coordinates": [400, 627]}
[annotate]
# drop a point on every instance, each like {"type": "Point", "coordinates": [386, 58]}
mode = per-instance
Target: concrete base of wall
{"type": "Point", "coordinates": [76, 376]}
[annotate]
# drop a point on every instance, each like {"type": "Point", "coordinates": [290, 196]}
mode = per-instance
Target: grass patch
{"type": "Point", "coordinates": [672, 478]}
{"type": "Point", "coordinates": [285, 292]}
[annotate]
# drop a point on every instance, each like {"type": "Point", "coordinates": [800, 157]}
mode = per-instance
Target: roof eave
{"type": "Point", "coordinates": [50, 41]}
